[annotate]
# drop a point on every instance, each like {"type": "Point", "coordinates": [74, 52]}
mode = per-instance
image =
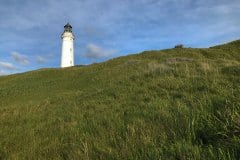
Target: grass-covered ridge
{"type": "Point", "coordinates": [169, 104]}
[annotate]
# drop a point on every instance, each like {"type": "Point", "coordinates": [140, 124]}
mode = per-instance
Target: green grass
{"type": "Point", "coordinates": [170, 104]}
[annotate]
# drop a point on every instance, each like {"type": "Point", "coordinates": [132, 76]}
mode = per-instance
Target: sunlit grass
{"type": "Point", "coordinates": [170, 104]}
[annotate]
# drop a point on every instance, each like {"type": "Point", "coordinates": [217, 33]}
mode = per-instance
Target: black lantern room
{"type": "Point", "coordinates": [68, 28]}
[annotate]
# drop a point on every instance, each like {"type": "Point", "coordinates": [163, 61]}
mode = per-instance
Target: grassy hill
{"type": "Point", "coordinates": [169, 104]}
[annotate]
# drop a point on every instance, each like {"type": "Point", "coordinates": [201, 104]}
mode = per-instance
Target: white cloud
{"type": "Point", "coordinates": [45, 58]}
{"type": "Point", "coordinates": [7, 65]}
{"type": "Point", "coordinates": [20, 58]}
{"type": "Point", "coordinates": [94, 51]}
{"type": "Point", "coordinates": [2, 73]}
{"type": "Point", "coordinates": [41, 60]}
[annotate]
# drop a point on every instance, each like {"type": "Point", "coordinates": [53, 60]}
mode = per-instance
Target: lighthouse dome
{"type": "Point", "coordinates": [67, 28]}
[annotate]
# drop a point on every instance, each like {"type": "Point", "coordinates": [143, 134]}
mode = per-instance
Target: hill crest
{"type": "Point", "coordinates": [170, 104]}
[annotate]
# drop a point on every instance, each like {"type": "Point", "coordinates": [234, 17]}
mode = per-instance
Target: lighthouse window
{"type": "Point", "coordinates": [70, 49]}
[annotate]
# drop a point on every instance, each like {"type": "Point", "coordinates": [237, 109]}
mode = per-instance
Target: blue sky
{"type": "Point", "coordinates": [30, 30]}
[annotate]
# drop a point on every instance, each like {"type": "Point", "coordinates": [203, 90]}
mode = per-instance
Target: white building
{"type": "Point", "coordinates": [67, 47]}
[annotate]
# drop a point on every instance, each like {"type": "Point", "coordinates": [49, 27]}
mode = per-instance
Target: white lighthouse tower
{"type": "Point", "coordinates": [67, 47]}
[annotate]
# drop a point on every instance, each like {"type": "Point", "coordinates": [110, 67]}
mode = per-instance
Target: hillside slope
{"type": "Point", "coordinates": [169, 104]}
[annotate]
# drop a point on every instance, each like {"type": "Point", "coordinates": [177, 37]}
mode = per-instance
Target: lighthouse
{"type": "Point", "coordinates": [67, 47]}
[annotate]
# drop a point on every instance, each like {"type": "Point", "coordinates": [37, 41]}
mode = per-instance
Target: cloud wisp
{"type": "Point", "coordinates": [7, 65]}
{"type": "Point", "coordinates": [95, 52]}
{"type": "Point", "coordinates": [44, 58]}
{"type": "Point", "coordinates": [20, 58]}
{"type": "Point", "coordinates": [41, 60]}
{"type": "Point", "coordinates": [2, 73]}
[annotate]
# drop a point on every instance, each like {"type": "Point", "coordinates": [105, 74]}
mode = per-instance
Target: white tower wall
{"type": "Point", "coordinates": [67, 59]}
